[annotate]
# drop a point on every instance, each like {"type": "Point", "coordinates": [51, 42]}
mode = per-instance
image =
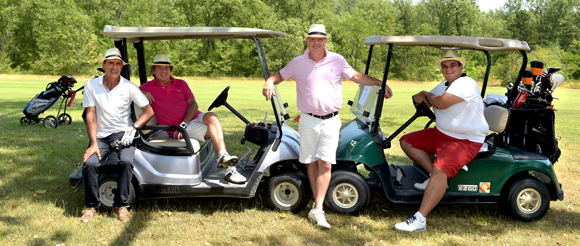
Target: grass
{"type": "Point", "coordinates": [38, 208]}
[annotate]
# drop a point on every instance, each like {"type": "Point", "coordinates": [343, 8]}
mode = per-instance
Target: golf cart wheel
{"type": "Point", "coordinates": [108, 188]}
{"type": "Point", "coordinates": [526, 200]}
{"type": "Point", "coordinates": [64, 119]}
{"type": "Point", "coordinates": [288, 192]}
{"type": "Point", "coordinates": [26, 121]}
{"type": "Point", "coordinates": [348, 192]}
{"type": "Point", "coordinates": [50, 122]}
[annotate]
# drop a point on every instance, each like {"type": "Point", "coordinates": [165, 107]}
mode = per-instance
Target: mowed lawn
{"type": "Point", "coordinates": [37, 207]}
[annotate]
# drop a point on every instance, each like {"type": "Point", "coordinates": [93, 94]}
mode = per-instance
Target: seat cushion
{"type": "Point", "coordinates": [162, 139]}
{"type": "Point", "coordinates": [497, 118]}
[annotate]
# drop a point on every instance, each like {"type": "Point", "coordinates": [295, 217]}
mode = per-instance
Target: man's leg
{"type": "Point", "coordinates": [419, 156]}
{"type": "Point", "coordinates": [125, 174]}
{"type": "Point", "coordinates": [434, 192]}
{"type": "Point", "coordinates": [319, 174]}
{"type": "Point", "coordinates": [214, 131]}
{"type": "Point", "coordinates": [91, 181]}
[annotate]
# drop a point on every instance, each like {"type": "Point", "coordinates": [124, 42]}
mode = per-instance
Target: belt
{"type": "Point", "coordinates": [324, 117]}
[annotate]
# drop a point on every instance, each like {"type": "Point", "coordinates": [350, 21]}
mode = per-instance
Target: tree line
{"type": "Point", "coordinates": [63, 36]}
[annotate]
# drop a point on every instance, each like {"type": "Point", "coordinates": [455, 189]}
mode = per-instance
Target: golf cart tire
{"type": "Point", "coordinates": [348, 193]}
{"type": "Point", "coordinates": [288, 191]}
{"type": "Point", "coordinates": [526, 199]}
{"type": "Point", "coordinates": [108, 188]}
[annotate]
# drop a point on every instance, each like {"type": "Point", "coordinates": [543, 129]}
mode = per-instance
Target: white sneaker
{"type": "Point", "coordinates": [318, 217]}
{"type": "Point", "coordinates": [227, 160]}
{"type": "Point", "coordinates": [233, 176]}
{"type": "Point", "coordinates": [421, 186]}
{"type": "Point", "coordinates": [411, 224]}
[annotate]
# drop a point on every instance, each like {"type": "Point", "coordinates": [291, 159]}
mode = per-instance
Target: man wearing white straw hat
{"type": "Point", "coordinates": [455, 140]}
{"type": "Point", "coordinates": [175, 105]}
{"type": "Point", "coordinates": [318, 75]}
{"type": "Point", "coordinates": [107, 100]}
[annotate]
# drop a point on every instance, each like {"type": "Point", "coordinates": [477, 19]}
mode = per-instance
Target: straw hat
{"type": "Point", "coordinates": [112, 53]}
{"type": "Point", "coordinates": [451, 55]}
{"type": "Point", "coordinates": [317, 31]}
{"type": "Point", "coordinates": [161, 60]}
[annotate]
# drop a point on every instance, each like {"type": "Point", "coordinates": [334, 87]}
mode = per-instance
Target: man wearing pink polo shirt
{"type": "Point", "coordinates": [318, 75]}
{"type": "Point", "coordinates": [175, 105]}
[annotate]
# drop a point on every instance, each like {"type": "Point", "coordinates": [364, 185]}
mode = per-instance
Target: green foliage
{"type": "Point", "coordinates": [63, 36]}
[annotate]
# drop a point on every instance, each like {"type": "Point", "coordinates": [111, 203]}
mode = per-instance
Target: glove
{"type": "Point", "coordinates": [178, 134]}
{"type": "Point", "coordinates": [129, 136]}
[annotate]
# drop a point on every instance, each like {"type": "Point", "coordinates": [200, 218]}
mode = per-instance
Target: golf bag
{"type": "Point", "coordinates": [43, 101]}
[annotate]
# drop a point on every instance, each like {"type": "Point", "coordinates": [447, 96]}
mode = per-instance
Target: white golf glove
{"type": "Point", "coordinates": [129, 136]}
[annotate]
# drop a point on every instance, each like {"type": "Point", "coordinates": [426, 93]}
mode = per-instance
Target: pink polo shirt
{"type": "Point", "coordinates": [170, 103]}
{"type": "Point", "coordinates": [318, 85]}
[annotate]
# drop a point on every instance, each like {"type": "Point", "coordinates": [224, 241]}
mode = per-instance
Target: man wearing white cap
{"type": "Point", "coordinates": [455, 140]}
{"type": "Point", "coordinates": [318, 75]}
{"type": "Point", "coordinates": [107, 100]}
{"type": "Point", "coordinates": [175, 105]}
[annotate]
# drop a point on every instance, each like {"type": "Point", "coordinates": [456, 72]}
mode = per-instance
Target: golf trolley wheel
{"type": "Point", "coordinates": [108, 188]}
{"type": "Point", "coordinates": [288, 192]}
{"type": "Point", "coordinates": [26, 121]}
{"type": "Point", "coordinates": [50, 122]}
{"type": "Point", "coordinates": [64, 119]}
{"type": "Point", "coordinates": [348, 192]}
{"type": "Point", "coordinates": [527, 200]}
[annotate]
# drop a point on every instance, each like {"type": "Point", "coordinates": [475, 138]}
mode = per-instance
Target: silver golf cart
{"type": "Point", "coordinates": [165, 167]}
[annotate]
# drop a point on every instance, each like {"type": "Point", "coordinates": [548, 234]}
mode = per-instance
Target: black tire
{"type": "Point", "coordinates": [289, 191]}
{"type": "Point", "coordinates": [50, 122]}
{"type": "Point", "coordinates": [348, 192]}
{"type": "Point", "coordinates": [526, 199]}
{"type": "Point", "coordinates": [108, 188]}
{"type": "Point", "coordinates": [26, 121]}
{"type": "Point", "coordinates": [64, 119]}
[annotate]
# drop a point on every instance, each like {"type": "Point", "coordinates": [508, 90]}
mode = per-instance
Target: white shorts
{"type": "Point", "coordinates": [318, 138]}
{"type": "Point", "coordinates": [196, 128]}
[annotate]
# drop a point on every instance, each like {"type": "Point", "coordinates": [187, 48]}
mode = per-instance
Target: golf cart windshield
{"type": "Point", "coordinates": [136, 35]}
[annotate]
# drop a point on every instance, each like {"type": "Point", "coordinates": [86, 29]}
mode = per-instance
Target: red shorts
{"type": "Point", "coordinates": [452, 153]}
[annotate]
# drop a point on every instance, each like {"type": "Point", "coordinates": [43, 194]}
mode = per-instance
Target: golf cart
{"type": "Point", "coordinates": [165, 167]}
{"type": "Point", "coordinates": [514, 168]}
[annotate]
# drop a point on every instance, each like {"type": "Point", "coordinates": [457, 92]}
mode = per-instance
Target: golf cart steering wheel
{"type": "Point", "coordinates": [220, 100]}
{"type": "Point", "coordinates": [423, 110]}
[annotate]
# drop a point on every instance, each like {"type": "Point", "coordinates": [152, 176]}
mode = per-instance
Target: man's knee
{"type": "Point", "coordinates": [437, 171]}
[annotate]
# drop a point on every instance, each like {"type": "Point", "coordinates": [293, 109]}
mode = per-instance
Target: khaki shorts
{"type": "Point", "coordinates": [318, 138]}
{"type": "Point", "coordinates": [196, 128]}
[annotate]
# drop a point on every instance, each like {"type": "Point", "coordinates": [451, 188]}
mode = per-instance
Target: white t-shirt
{"type": "Point", "coordinates": [464, 120]}
{"type": "Point", "coordinates": [113, 107]}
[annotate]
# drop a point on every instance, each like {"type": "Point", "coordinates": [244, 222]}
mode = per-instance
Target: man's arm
{"type": "Point", "coordinates": [268, 89]}
{"type": "Point", "coordinates": [363, 79]}
{"type": "Point", "coordinates": [148, 95]}
{"type": "Point", "coordinates": [441, 102]}
{"type": "Point", "coordinates": [92, 132]}
{"type": "Point", "coordinates": [191, 110]}
{"type": "Point", "coordinates": [146, 115]}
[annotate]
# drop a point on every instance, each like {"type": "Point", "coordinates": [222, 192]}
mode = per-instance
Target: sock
{"type": "Point", "coordinates": [420, 217]}
{"type": "Point", "coordinates": [229, 168]}
{"type": "Point", "coordinates": [315, 210]}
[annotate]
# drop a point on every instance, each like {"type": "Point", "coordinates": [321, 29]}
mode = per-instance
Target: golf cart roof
{"type": "Point", "coordinates": [134, 34]}
{"type": "Point", "coordinates": [461, 42]}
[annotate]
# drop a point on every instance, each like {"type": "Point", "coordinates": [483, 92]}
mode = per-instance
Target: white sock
{"type": "Point", "coordinates": [230, 168]}
{"type": "Point", "coordinates": [315, 210]}
{"type": "Point", "coordinates": [222, 153]}
{"type": "Point", "coordinates": [420, 217]}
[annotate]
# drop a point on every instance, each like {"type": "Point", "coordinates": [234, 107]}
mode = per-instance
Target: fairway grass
{"type": "Point", "coordinates": [37, 207]}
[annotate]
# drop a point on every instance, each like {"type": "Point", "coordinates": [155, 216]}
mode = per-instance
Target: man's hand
{"type": "Point", "coordinates": [388, 92]}
{"type": "Point", "coordinates": [129, 136]}
{"type": "Point", "coordinates": [421, 97]}
{"type": "Point", "coordinates": [268, 90]}
{"type": "Point", "coordinates": [93, 149]}
{"type": "Point", "coordinates": [148, 95]}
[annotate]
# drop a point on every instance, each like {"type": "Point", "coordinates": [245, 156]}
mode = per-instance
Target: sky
{"type": "Point", "coordinates": [487, 5]}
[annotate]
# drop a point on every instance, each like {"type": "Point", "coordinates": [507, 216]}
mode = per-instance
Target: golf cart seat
{"type": "Point", "coordinates": [158, 140]}
{"type": "Point", "coordinates": [497, 119]}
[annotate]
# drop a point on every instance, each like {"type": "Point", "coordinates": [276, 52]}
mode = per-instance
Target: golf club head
{"type": "Point", "coordinates": [556, 80]}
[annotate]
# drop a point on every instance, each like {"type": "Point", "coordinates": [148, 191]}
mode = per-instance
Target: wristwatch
{"type": "Point", "coordinates": [136, 126]}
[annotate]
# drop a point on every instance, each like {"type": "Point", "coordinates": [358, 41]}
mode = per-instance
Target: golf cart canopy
{"type": "Point", "coordinates": [135, 34]}
{"type": "Point", "coordinates": [476, 43]}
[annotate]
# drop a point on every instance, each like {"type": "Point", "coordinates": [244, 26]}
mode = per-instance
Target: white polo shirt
{"type": "Point", "coordinates": [113, 107]}
{"type": "Point", "coordinates": [464, 120]}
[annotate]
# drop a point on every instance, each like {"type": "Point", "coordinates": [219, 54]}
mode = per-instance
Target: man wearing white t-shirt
{"type": "Point", "coordinates": [456, 139]}
{"type": "Point", "coordinates": [107, 100]}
